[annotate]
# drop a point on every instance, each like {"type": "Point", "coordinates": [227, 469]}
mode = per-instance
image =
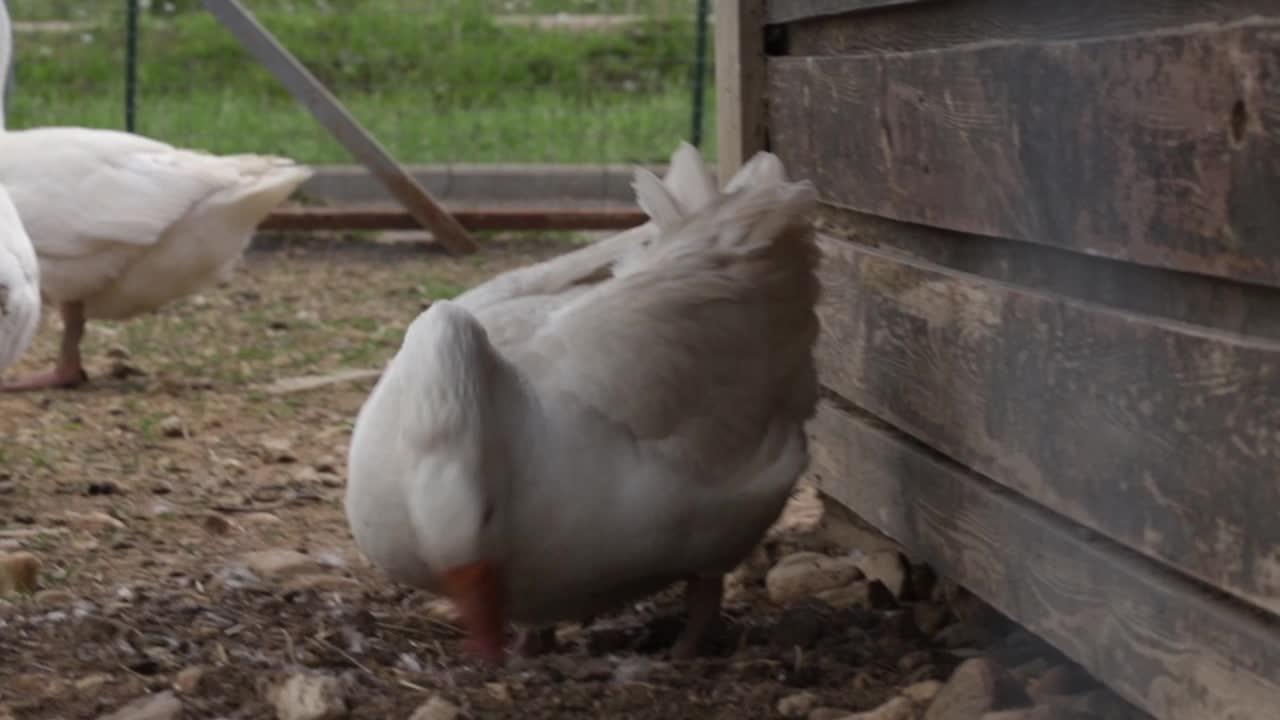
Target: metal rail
{"type": "Point", "coordinates": [472, 218]}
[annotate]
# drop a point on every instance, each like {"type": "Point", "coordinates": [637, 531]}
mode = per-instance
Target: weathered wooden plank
{"type": "Point", "coordinates": [1158, 149]}
{"type": "Point", "coordinates": [1162, 436]}
{"type": "Point", "coordinates": [330, 113]}
{"type": "Point", "coordinates": [1184, 297]}
{"type": "Point", "coordinates": [939, 25]}
{"type": "Point", "coordinates": [785, 11]}
{"type": "Point", "coordinates": [739, 83]}
{"type": "Point", "coordinates": [1177, 651]}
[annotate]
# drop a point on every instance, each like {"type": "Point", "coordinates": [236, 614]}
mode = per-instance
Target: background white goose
{"type": "Point", "coordinates": [19, 285]}
{"type": "Point", "coordinates": [122, 224]}
{"type": "Point", "coordinates": [645, 430]}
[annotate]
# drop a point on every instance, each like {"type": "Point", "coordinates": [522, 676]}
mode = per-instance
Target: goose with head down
{"type": "Point", "coordinates": [597, 428]}
{"type": "Point", "coordinates": [123, 224]}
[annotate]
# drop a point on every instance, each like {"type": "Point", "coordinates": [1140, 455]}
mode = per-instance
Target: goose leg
{"type": "Point", "coordinates": [476, 590]}
{"type": "Point", "coordinates": [702, 597]}
{"type": "Point", "coordinates": [69, 371]}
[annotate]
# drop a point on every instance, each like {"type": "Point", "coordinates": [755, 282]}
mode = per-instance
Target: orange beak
{"type": "Point", "coordinates": [476, 590]}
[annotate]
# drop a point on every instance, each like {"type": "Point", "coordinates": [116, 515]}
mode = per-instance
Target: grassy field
{"type": "Point", "coordinates": [436, 82]}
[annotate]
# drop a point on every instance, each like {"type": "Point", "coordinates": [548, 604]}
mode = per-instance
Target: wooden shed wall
{"type": "Point", "coordinates": [1051, 323]}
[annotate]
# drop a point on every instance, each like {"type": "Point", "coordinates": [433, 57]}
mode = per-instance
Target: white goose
{"type": "Point", "coordinates": [19, 285]}
{"type": "Point", "coordinates": [122, 224]}
{"type": "Point", "coordinates": [634, 417]}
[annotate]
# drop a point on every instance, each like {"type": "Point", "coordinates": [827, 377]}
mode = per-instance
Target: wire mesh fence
{"type": "Point", "coordinates": [443, 81]}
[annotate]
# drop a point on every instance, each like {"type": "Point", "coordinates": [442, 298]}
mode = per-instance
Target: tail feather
{"type": "Point", "coordinates": [656, 200]}
{"type": "Point", "coordinates": [689, 179]}
{"type": "Point", "coordinates": [762, 169]}
{"type": "Point", "coordinates": [266, 182]}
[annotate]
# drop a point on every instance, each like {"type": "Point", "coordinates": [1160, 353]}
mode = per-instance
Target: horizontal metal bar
{"type": "Point", "coordinates": [472, 218]}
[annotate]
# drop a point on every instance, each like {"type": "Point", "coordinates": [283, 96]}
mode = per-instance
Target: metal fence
{"type": "Point", "coordinates": [451, 81]}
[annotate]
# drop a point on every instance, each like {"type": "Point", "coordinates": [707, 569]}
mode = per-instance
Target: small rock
{"type": "Point", "coordinates": [280, 563]}
{"type": "Point", "coordinates": [797, 705]}
{"type": "Point", "coordinates": [898, 708]}
{"type": "Point", "coordinates": [862, 594]}
{"type": "Point", "coordinates": [913, 660]}
{"type": "Point", "coordinates": [118, 352]}
{"type": "Point", "coordinates": [19, 573]}
{"type": "Point", "coordinates": [90, 684]}
{"type": "Point", "coordinates": [929, 618]}
{"type": "Point", "coordinates": [437, 708]}
{"type": "Point", "coordinates": [922, 693]}
{"type": "Point", "coordinates": [278, 450]}
{"type": "Point", "coordinates": [326, 464]}
{"type": "Point", "coordinates": [172, 427]}
{"type": "Point", "coordinates": [889, 567]}
{"type": "Point", "coordinates": [123, 370]}
{"type": "Point", "coordinates": [829, 713]}
{"type": "Point", "coordinates": [306, 475]}
{"type": "Point", "coordinates": [960, 635]}
{"type": "Point", "coordinates": [967, 694]}
{"type": "Point", "coordinates": [93, 521]}
{"type": "Point", "coordinates": [499, 691]}
{"type": "Point", "coordinates": [805, 574]}
{"type": "Point", "coordinates": [160, 706]}
{"type": "Point", "coordinates": [260, 518]}
{"type": "Point", "coordinates": [216, 524]}
{"type": "Point", "coordinates": [310, 697]}
{"type": "Point", "coordinates": [187, 681]}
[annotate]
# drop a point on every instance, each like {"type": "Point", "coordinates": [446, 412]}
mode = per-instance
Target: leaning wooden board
{"type": "Point", "coordinates": [1160, 148]}
{"type": "Point", "coordinates": [1167, 645]}
{"type": "Point", "coordinates": [1161, 435]}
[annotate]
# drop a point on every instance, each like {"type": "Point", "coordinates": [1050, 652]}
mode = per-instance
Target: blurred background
{"type": "Point", "coordinates": [436, 81]}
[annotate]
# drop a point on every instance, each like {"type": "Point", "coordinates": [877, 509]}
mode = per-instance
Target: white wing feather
{"type": "Point", "coordinates": [19, 285]}
{"type": "Point", "coordinates": [82, 191]}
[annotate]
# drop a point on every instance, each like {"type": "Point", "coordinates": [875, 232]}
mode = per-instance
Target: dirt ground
{"type": "Point", "coordinates": [189, 527]}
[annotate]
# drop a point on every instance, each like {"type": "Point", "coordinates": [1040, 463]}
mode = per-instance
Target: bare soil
{"type": "Point", "coordinates": [144, 493]}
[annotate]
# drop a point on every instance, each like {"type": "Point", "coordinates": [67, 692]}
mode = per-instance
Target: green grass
{"type": "Point", "coordinates": [446, 84]}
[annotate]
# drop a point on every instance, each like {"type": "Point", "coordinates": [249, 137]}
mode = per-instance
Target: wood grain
{"type": "Point", "coordinates": [1183, 297]}
{"type": "Point", "coordinates": [785, 11]}
{"type": "Point", "coordinates": [1162, 436]}
{"type": "Point", "coordinates": [1162, 642]}
{"type": "Point", "coordinates": [952, 23]}
{"type": "Point", "coordinates": [1158, 149]}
